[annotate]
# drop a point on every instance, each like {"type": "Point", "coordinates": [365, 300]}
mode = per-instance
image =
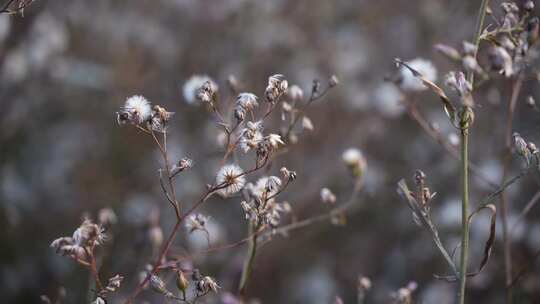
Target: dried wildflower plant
{"type": "Point", "coordinates": [81, 247]}
{"type": "Point", "coordinates": [14, 7]}
{"type": "Point", "coordinates": [246, 125]}
{"type": "Point", "coordinates": [507, 42]}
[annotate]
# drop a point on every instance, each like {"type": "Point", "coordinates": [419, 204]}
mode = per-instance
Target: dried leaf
{"type": "Point", "coordinates": [488, 245]}
{"type": "Point", "coordinates": [448, 106]}
{"type": "Point", "coordinates": [489, 242]}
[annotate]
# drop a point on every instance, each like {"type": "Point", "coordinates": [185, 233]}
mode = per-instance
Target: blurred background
{"type": "Point", "coordinates": [66, 67]}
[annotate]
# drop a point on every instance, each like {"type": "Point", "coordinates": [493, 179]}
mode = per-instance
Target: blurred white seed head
{"type": "Point", "coordinates": [453, 139]}
{"type": "Point", "coordinates": [409, 82]}
{"type": "Point", "coordinates": [307, 124]}
{"type": "Point", "coordinates": [355, 160]}
{"type": "Point", "coordinates": [192, 86]}
{"type": "Point", "coordinates": [333, 81]}
{"type": "Point", "coordinates": [228, 177]}
{"type": "Point", "coordinates": [327, 196]}
{"type": "Point", "coordinates": [107, 217]}
{"type": "Point", "coordinates": [364, 283]}
{"type": "Point", "coordinates": [295, 93]}
{"type": "Point", "coordinates": [387, 100]}
{"type": "Point", "coordinates": [155, 236]}
{"type": "Point", "coordinates": [196, 222]}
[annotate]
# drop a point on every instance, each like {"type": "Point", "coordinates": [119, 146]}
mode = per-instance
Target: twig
{"type": "Point", "coordinates": [507, 158]}
{"type": "Point", "coordinates": [525, 210]}
{"type": "Point", "coordinates": [524, 270]}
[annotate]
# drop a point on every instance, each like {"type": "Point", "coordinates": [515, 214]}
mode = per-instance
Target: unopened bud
{"type": "Point", "coordinates": [448, 51]}
{"type": "Point", "coordinates": [181, 282]}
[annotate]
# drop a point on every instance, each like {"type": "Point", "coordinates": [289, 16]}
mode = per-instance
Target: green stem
{"type": "Point", "coordinates": [464, 215]}
{"type": "Point", "coordinates": [250, 259]}
{"type": "Point", "coordinates": [478, 33]}
{"type": "Point", "coordinates": [465, 166]}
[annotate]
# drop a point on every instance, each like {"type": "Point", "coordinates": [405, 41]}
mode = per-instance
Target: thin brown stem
{"type": "Point", "coordinates": [524, 269]}
{"type": "Point", "coordinates": [532, 202]}
{"type": "Point", "coordinates": [506, 159]}
{"type": "Point", "coordinates": [93, 267]}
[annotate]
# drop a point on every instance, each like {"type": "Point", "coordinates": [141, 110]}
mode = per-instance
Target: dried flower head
{"type": "Point", "coordinates": [192, 85]}
{"type": "Point", "coordinates": [244, 102]}
{"type": "Point", "coordinates": [521, 148]}
{"type": "Point", "coordinates": [86, 236]}
{"type": "Point", "coordinates": [274, 140]}
{"type": "Point", "coordinates": [114, 283]}
{"type": "Point", "coordinates": [230, 179]}
{"type": "Point", "coordinates": [89, 234]}
{"type": "Point", "coordinates": [333, 81]}
{"type": "Point", "coordinates": [182, 165]}
{"type": "Point", "coordinates": [207, 92]}
{"type": "Point", "coordinates": [287, 174]}
{"type": "Point", "coordinates": [277, 86]}
{"type": "Point", "coordinates": [410, 82]}
{"type": "Point", "coordinates": [207, 284]}
{"type": "Point", "coordinates": [135, 111]}
{"type": "Point", "coordinates": [251, 136]}
{"type": "Point", "coordinates": [265, 187]}
{"type": "Point", "coordinates": [160, 119]}
{"type": "Point", "coordinates": [247, 101]}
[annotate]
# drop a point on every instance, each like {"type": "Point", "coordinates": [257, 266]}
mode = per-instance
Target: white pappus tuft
{"type": "Point", "coordinates": [229, 179]}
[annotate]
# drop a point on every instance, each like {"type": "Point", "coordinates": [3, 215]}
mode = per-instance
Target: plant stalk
{"type": "Point", "coordinates": [250, 259]}
{"type": "Point", "coordinates": [464, 215]}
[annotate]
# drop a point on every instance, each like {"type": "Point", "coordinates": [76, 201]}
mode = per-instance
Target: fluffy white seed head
{"type": "Point", "coordinates": [327, 196]}
{"type": "Point", "coordinates": [138, 108]}
{"type": "Point", "coordinates": [228, 177]}
{"type": "Point", "coordinates": [247, 101]}
{"type": "Point", "coordinates": [354, 159]}
{"type": "Point", "coordinates": [192, 86]}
